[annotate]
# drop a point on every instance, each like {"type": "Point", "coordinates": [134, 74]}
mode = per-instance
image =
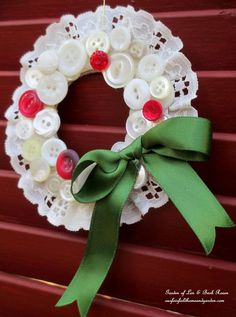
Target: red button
{"type": "Point", "coordinates": [99, 60]}
{"type": "Point", "coordinates": [66, 162]}
{"type": "Point", "coordinates": [152, 110]}
{"type": "Point", "coordinates": [30, 104]}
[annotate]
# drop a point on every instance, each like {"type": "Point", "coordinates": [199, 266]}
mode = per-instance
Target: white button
{"type": "Point", "coordinates": [150, 66]}
{"type": "Point", "coordinates": [136, 93]}
{"type": "Point", "coordinates": [128, 139]}
{"type": "Point", "coordinates": [52, 89]}
{"type": "Point", "coordinates": [120, 71]}
{"type": "Point", "coordinates": [162, 89]}
{"type": "Point", "coordinates": [65, 191]}
{"type": "Point", "coordinates": [137, 125]}
{"type": "Point", "coordinates": [48, 62]}
{"type": "Point", "coordinates": [136, 49]}
{"type": "Point", "coordinates": [118, 146]}
{"type": "Point", "coordinates": [53, 184]}
{"type": "Point", "coordinates": [72, 58]}
{"type": "Point", "coordinates": [141, 178]}
{"type": "Point", "coordinates": [24, 129]}
{"type": "Point", "coordinates": [98, 40]}
{"type": "Point", "coordinates": [120, 38]}
{"type": "Point", "coordinates": [31, 148]}
{"type": "Point", "coordinates": [32, 77]}
{"type": "Point", "coordinates": [46, 122]}
{"type": "Point", "coordinates": [51, 149]}
{"type": "Point", "coordinates": [39, 169]}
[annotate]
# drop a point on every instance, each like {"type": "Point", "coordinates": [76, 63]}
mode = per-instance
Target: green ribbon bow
{"type": "Point", "coordinates": [163, 151]}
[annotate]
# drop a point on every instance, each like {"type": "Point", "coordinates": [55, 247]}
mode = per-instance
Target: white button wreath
{"type": "Point", "coordinates": [144, 60]}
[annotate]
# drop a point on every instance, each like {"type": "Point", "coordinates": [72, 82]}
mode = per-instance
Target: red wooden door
{"type": "Point", "coordinates": [160, 252]}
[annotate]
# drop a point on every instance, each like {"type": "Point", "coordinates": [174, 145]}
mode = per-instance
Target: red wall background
{"type": "Point", "coordinates": [160, 252]}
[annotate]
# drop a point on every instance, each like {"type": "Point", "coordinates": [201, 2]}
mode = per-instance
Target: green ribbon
{"type": "Point", "coordinates": [164, 151]}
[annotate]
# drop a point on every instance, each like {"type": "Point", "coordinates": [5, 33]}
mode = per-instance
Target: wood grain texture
{"type": "Point", "coordinates": [16, 9]}
{"type": "Point", "coordinates": [161, 228]}
{"type": "Point", "coordinates": [206, 48]}
{"type": "Point", "coordinates": [21, 296]}
{"type": "Point", "coordinates": [138, 274]}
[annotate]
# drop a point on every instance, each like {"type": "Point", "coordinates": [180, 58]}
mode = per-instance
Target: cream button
{"type": "Point", "coordinates": [120, 38]}
{"type": "Point", "coordinates": [136, 93]}
{"type": "Point", "coordinates": [162, 89]}
{"type": "Point", "coordinates": [120, 71]}
{"type": "Point", "coordinates": [46, 122]}
{"type": "Point", "coordinates": [32, 77]}
{"type": "Point", "coordinates": [48, 62]}
{"type": "Point", "coordinates": [31, 148]}
{"type": "Point", "coordinates": [141, 178]}
{"type": "Point", "coordinates": [39, 169]}
{"type": "Point", "coordinates": [118, 146]}
{"type": "Point", "coordinates": [150, 67]}
{"type": "Point", "coordinates": [51, 149]}
{"type": "Point", "coordinates": [136, 49]}
{"type": "Point", "coordinates": [24, 129]}
{"type": "Point", "coordinates": [97, 41]}
{"type": "Point", "coordinates": [52, 89]}
{"type": "Point", "coordinates": [137, 125]}
{"type": "Point", "coordinates": [72, 58]}
{"type": "Point", "coordinates": [65, 191]}
{"type": "Point", "coordinates": [53, 184]}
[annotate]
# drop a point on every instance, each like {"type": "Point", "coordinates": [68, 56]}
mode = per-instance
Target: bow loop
{"type": "Point", "coordinates": [183, 138]}
{"type": "Point", "coordinates": [163, 151]}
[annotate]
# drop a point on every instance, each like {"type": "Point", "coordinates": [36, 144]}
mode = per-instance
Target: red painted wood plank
{"type": "Point", "coordinates": [221, 161]}
{"type": "Point", "coordinates": [205, 39]}
{"type": "Point", "coordinates": [16, 9]}
{"type": "Point", "coordinates": [9, 81]}
{"type": "Point", "coordinates": [207, 48]}
{"type": "Point", "coordinates": [163, 227]}
{"type": "Point", "coordinates": [90, 100]}
{"type": "Point", "coordinates": [138, 274]}
{"type": "Point", "coordinates": [21, 296]}
{"type": "Point", "coordinates": [194, 13]}
{"type": "Point", "coordinates": [215, 100]}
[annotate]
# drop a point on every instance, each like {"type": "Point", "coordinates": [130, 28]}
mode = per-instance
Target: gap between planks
{"type": "Point", "coordinates": [200, 74]}
{"type": "Point", "coordinates": [34, 287]}
{"type": "Point", "coordinates": [120, 130]}
{"type": "Point", "coordinates": [126, 248]}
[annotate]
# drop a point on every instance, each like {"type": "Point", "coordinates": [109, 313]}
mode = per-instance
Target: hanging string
{"type": "Point", "coordinates": [103, 12]}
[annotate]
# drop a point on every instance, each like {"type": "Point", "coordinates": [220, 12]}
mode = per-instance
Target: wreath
{"type": "Point", "coordinates": [104, 189]}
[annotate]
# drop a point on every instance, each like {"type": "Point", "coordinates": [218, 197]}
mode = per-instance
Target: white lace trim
{"type": "Point", "coordinates": [158, 40]}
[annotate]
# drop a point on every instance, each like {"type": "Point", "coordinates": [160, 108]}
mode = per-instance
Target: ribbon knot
{"type": "Point", "coordinates": [133, 151]}
{"type": "Point", "coordinates": [164, 151]}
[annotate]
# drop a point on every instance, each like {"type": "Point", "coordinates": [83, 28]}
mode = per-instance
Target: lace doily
{"type": "Point", "coordinates": [157, 39]}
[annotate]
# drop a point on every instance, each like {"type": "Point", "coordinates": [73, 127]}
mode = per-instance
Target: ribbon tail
{"type": "Point", "coordinates": [102, 245]}
{"type": "Point", "coordinates": [191, 196]}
